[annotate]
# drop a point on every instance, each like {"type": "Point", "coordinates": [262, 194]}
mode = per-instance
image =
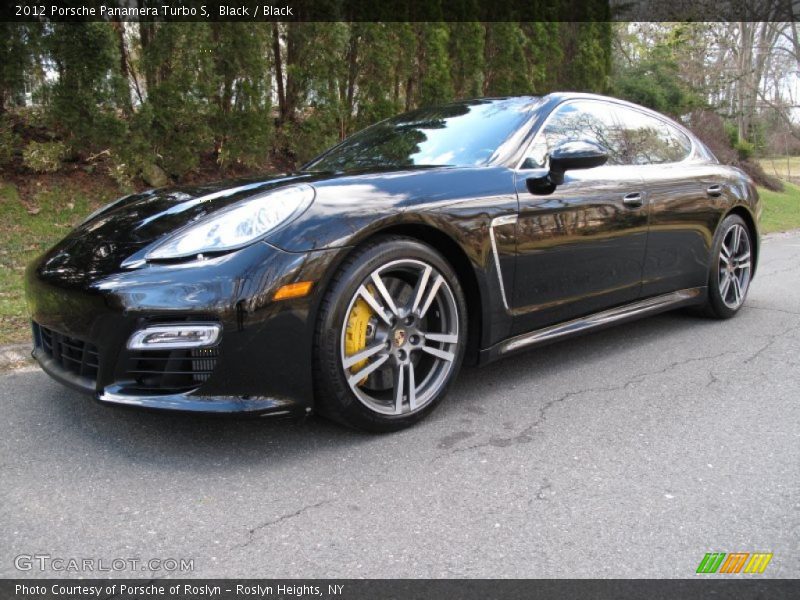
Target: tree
{"type": "Point", "coordinates": [586, 61]}
{"type": "Point", "coordinates": [174, 123]}
{"type": "Point", "coordinates": [435, 85]}
{"type": "Point", "coordinates": [19, 49]}
{"type": "Point", "coordinates": [89, 89]}
{"type": "Point", "coordinates": [653, 78]}
{"type": "Point", "coordinates": [467, 41]}
{"type": "Point", "coordinates": [242, 101]}
{"type": "Point", "coordinates": [374, 85]}
{"type": "Point", "coordinates": [186, 95]}
{"type": "Point", "coordinates": [506, 64]}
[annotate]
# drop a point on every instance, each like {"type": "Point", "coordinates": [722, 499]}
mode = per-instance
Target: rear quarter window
{"type": "Point", "coordinates": [651, 141]}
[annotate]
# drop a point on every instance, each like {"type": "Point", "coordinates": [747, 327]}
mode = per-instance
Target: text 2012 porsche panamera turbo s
{"type": "Point", "coordinates": [357, 285]}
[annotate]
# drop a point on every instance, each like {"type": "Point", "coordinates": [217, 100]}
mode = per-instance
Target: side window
{"type": "Point", "coordinates": [587, 120]}
{"type": "Point", "coordinates": [651, 141]}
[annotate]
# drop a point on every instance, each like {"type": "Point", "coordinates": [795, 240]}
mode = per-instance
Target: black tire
{"type": "Point", "coordinates": [719, 306]}
{"type": "Point", "coordinates": [335, 396]}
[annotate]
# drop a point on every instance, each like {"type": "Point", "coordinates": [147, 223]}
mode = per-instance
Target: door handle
{"type": "Point", "coordinates": [633, 200]}
{"type": "Point", "coordinates": [714, 190]}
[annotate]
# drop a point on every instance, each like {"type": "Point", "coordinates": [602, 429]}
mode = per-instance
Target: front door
{"type": "Point", "coordinates": [581, 248]}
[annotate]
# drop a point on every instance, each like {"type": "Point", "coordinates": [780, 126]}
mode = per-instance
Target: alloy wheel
{"type": "Point", "coordinates": [400, 337]}
{"type": "Point", "coordinates": [734, 266]}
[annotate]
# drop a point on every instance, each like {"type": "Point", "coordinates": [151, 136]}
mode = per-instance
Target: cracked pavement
{"type": "Point", "coordinates": [665, 438]}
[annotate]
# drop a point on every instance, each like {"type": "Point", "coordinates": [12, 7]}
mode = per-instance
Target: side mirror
{"type": "Point", "coordinates": [567, 156]}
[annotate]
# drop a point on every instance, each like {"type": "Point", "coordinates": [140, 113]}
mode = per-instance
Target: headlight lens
{"type": "Point", "coordinates": [237, 226]}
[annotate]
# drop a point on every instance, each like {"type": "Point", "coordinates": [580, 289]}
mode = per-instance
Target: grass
{"type": "Point", "coordinates": [29, 226]}
{"type": "Point", "coordinates": [781, 209]}
{"type": "Point", "coordinates": [782, 167]}
{"type": "Point", "coordinates": [27, 229]}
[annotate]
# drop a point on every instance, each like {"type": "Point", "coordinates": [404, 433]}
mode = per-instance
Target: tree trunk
{"type": "Point", "coordinates": [292, 58]}
{"type": "Point", "coordinates": [795, 42]}
{"type": "Point", "coordinates": [146, 33]}
{"type": "Point", "coordinates": [409, 92]}
{"type": "Point", "coordinates": [276, 51]}
{"type": "Point", "coordinates": [119, 30]}
{"type": "Point", "coordinates": [745, 60]}
{"type": "Point", "coordinates": [352, 72]}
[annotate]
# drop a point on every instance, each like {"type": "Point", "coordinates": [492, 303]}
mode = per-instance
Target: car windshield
{"type": "Point", "coordinates": [461, 134]}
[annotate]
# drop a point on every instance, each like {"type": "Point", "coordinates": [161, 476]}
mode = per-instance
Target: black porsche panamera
{"type": "Point", "coordinates": [358, 285]}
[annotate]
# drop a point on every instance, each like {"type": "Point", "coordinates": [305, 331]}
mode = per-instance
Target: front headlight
{"type": "Point", "coordinates": [237, 225]}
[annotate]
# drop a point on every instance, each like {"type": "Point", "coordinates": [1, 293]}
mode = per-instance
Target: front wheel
{"type": "Point", "coordinates": [390, 336]}
{"type": "Point", "coordinates": [731, 268]}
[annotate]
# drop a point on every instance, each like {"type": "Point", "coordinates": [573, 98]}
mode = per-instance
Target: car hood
{"type": "Point", "coordinates": [148, 216]}
{"type": "Point", "coordinates": [119, 235]}
{"type": "Point", "coordinates": [123, 228]}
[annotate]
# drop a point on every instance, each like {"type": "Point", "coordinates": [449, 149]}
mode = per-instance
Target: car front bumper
{"type": "Point", "coordinates": [262, 363]}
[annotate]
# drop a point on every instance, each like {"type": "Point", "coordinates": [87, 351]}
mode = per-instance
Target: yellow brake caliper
{"type": "Point", "coordinates": [355, 339]}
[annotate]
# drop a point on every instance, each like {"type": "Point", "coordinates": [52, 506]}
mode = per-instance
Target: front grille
{"type": "Point", "coordinates": [71, 354]}
{"type": "Point", "coordinates": [170, 371]}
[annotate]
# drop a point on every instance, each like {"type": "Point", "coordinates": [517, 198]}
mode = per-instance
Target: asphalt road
{"type": "Point", "coordinates": [628, 453]}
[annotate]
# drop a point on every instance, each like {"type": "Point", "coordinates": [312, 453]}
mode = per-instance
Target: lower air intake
{"type": "Point", "coordinates": [170, 371]}
{"type": "Point", "coordinates": [71, 354]}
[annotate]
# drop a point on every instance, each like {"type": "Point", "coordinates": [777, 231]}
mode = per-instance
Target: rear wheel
{"type": "Point", "coordinates": [390, 336]}
{"type": "Point", "coordinates": [731, 268]}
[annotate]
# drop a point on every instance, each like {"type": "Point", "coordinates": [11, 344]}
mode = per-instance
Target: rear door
{"type": "Point", "coordinates": [681, 188]}
{"type": "Point", "coordinates": [581, 248]}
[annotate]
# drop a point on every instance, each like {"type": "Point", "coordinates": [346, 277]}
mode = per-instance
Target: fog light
{"type": "Point", "coordinates": [179, 335]}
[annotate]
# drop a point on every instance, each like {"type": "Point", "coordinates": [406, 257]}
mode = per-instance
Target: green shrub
{"type": "Point", "coordinates": [44, 157]}
{"type": "Point", "coordinates": [307, 139]}
{"type": "Point", "coordinates": [744, 148]}
{"type": "Point", "coordinates": [732, 131]}
{"type": "Point", "coordinates": [123, 175]}
{"type": "Point", "coordinates": [247, 139]}
{"type": "Point", "coordinates": [171, 129]}
{"type": "Point", "coordinates": [82, 103]}
{"type": "Point", "coordinates": [8, 142]}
